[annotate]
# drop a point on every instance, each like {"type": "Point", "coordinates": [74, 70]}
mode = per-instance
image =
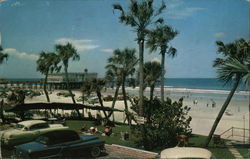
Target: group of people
{"type": "Point", "coordinates": [93, 130]}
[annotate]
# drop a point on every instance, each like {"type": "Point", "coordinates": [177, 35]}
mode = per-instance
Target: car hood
{"type": "Point", "coordinates": [31, 146]}
{"type": "Point", "coordinates": [7, 133]}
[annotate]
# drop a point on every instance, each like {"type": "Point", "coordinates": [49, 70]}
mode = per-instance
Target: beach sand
{"type": "Point", "coordinates": [200, 101]}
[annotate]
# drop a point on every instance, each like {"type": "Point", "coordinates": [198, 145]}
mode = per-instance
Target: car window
{"type": "Point", "coordinates": [65, 136]}
{"type": "Point", "coordinates": [18, 126]}
{"type": "Point", "coordinates": [58, 137]}
{"type": "Point", "coordinates": [39, 126]}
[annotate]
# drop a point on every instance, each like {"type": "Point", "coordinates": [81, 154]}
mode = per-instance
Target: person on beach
{"type": "Point", "coordinates": [92, 130]}
{"type": "Point", "coordinates": [107, 131]}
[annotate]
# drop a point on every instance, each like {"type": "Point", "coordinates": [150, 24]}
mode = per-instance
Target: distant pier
{"type": "Point", "coordinates": [39, 85]}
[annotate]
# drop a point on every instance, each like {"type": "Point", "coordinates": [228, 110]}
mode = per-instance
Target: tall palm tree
{"type": "Point", "coordinates": [65, 53]}
{"type": "Point", "coordinates": [159, 39]}
{"type": "Point", "coordinates": [140, 16]}
{"type": "Point", "coordinates": [47, 63]}
{"type": "Point", "coordinates": [121, 65]}
{"type": "Point", "coordinates": [232, 51]}
{"type": "Point", "coordinates": [152, 70]}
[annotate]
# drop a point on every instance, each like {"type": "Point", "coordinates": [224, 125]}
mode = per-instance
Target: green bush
{"type": "Point", "coordinates": [163, 122]}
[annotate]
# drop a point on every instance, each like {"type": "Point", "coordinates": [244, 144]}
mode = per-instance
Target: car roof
{"type": "Point", "coordinates": [186, 152]}
{"type": "Point", "coordinates": [28, 123]}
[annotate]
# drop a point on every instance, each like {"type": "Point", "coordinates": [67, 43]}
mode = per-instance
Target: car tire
{"type": "Point", "coordinates": [95, 151]}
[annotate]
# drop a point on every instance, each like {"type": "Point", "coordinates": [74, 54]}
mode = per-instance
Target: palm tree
{"type": "Point", "coordinates": [96, 86]}
{"type": "Point", "coordinates": [121, 66]}
{"type": "Point", "coordinates": [65, 53]}
{"type": "Point", "coordinates": [46, 64]}
{"type": "Point", "coordinates": [140, 16]}
{"type": "Point", "coordinates": [152, 70]}
{"type": "Point", "coordinates": [233, 51]}
{"type": "Point", "coordinates": [159, 39]}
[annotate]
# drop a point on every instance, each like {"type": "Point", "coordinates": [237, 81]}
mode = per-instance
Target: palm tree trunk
{"type": "Point", "coordinates": [1, 112]}
{"type": "Point", "coordinates": [223, 108]}
{"type": "Point", "coordinates": [115, 98]}
{"type": "Point", "coordinates": [45, 87]}
{"type": "Point", "coordinates": [125, 101]}
{"type": "Point", "coordinates": [162, 74]}
{"type": "Point", "coordinates": [141, 63]}
{"type": "Point", "coordinates": [98, 93]}
{"type": "Point", "coordinates": [152, 87]}
{"type": "Point", "coordinates": [70, 92]}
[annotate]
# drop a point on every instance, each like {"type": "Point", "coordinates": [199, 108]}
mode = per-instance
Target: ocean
{"type": "Point", "coordinates": [200, 83]}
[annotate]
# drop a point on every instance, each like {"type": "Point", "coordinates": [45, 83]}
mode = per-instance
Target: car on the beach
{"type": "Point", "coordinates": [61, 144]}
{"type": "Point", "coordinates": [93, 100]}
{"type": "Point", "coordinates": [27, 131]}
{"type": "Point", "coordinates": [186, 153]}
{"type": "Point", "coordinates": [108, 98]}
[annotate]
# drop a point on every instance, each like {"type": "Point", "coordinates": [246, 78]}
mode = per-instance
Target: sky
{"type": "Point", "coordinates": [29, 27]}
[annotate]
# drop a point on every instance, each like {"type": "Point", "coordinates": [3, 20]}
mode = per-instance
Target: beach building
{"type": "Point", "coordinates": [76, 79]}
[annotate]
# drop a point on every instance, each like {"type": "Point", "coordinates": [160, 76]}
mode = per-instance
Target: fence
{"type": "Point", "coordinates": [239, 134]}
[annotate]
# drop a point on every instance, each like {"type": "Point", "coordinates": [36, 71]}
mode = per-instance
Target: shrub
{"type": "Point", "coordinates": [163, 122]}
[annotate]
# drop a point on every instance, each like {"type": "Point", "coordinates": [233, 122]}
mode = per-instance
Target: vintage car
{"type": "Point", "coordinates": [27, 131]}
{"type": "Point", "coordinates": [186, 153]}
{"type": "Point", "coordinates": [61, 144]}
{"type": "Point", "coordinates": [93, 100]}
{"type": "Point", "coordinates": [108, 98]}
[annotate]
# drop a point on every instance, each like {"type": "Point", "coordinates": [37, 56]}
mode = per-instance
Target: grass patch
{"type": "Point", "coordinates": [243, 152]}
{"type": "Point", "coordinates": [194, 140]}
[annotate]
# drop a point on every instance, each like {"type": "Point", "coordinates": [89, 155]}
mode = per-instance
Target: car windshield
{"type": "Point", "coordinates": [18, 126]}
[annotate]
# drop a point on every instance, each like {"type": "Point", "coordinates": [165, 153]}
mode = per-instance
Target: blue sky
{"type": "Point", "coordinates": [31, 26]}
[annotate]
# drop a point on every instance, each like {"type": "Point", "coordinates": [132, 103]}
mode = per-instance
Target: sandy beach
{"type": "Point", "coordinates": [200, 101]}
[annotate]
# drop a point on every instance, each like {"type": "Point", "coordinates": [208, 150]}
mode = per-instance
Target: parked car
{"type": "Point", "coordinates": [108, 98]}
{"type": "Point", "coordinates": [93, 100]}
{"type": "Point", "coordinates": [27, 131]}
{"type": "Point", "coordinates": [186, 153]}
{"type": "Point", "coordinates": [60, 144]}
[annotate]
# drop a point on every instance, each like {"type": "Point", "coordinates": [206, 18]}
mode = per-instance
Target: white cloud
{"type": "Point", "coordinates": [16, 4]}
{"type": "Point", "coordinates": [155, 59]}
{"type": "Point", "coordinates": [107, 50]}
{"type": "Point", "coordinates": [248, 0]}
{"type": "Point", "coordinates": [177, 10]}
{"type": "Point", "coordinates": [182, 13]}
{"type": "Point", "coordinates": [80, 45]}
{"type": "Point", "coordinates": [219, 34]}
{"type": "Point", "coordinates": [22, 55]}
{"type": "Point", "coordinates": [2, 1]}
